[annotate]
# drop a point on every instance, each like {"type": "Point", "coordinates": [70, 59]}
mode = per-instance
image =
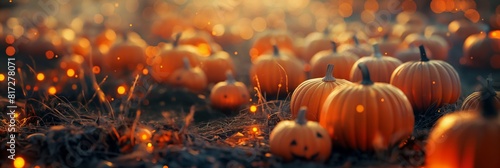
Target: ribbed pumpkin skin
{"type": "Point", "coordinates": [216, 65]}
{"type": "Point", "coordinates": [228, 95]}
{"type": "Point", "coordinates": [473, 101]}
{"type": "Point", "coordinates": [381, 68]}
{"type": "Point", "coordinates": [426, 83]}
{"type": "Point", "coordinates": [462, 139]}
{"type": "Point", "coordinates": [342, 61]}
{"type": "Point", "coordinates": [312, 94]}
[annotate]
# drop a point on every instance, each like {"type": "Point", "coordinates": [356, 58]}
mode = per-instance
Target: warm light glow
{"type": "Point", "coordinates": [52, 90]}
{"type": "Point", "coordinates": [360, 108]}
{"type": "Point", "coordinates": [19, 162]}
{"type": "Point", "coordinates": [255, 129]}
{"type": "Point", "coordinates": [204, 49]}
{"type": "Point", "coordinates": [145, 71]}
{"type": "Point", "coordinates": [10, 51]}
{"type": "Point", "coordinates": [16, 115]}
{"type": "Point", "coordinates": [37, 166]}
{"type": "Point", "coordinates": [70, 72]}
{"type": "Point", "coordinates": [150, 147]}
{"type": "Point", "coordinates": [438, 6]}
{"type": "Point", "coordinates": [40, 76]}
{"type": "Point", "coordinates": [49, 54]}
{"type": "Point", "coordinates": [144, 137]}
{"type": "Point", "coordinates": [121, 90]}
{"type": "Point", "coordinates": [253, 108]}
{"type": "Point", "coordinates": [472, 15]}
{"type": "Point", "coordinates": [10, 39]}
{"type": "Point", "coordinates": [345, 9]}
{"type": "Point", "coordinates": [2, 77]}
{"type": "Point", "coordinates": [96, 69]}
{"type": "Point", "coordinates": [74, 86]}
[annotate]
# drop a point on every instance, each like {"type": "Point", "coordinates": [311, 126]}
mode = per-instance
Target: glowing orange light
{"type": "Point", "coordinates": [360, 108]}
{"type": "Point", "coordinates": [96, 69]}
{"type": "Point", "coordinates": [74, 86]}
{"type": "Point", "coordinates": [165, 166]}
{"type": "Point", "coordinates": [19, 162]}
{"type": "Point", "coordinates": [10, 51]}
{"type": "Point", "coordinates": [37, 166]}
{"type": "Point", "coordinates": [70, 72]}
{"type": "Point", "coordinates": [149, 147]}
{"type": "Point", "coordinates": [16, 115]}
{"type": "Point", "coordinates": [472, 15]}
{"type": "Point", "coordinates": [121, 90]}
{"type": "Point", "coordinates": [28, 87]}
{"type": "Point", "coordinates": [52, 90]}
{"type": "Point", "coordinates": [255, 129]}
{"type": "Point", "coordinates": [253, 108]}
{"type": "Point", "coordinates": [145, 71]}
{"type": "Point", "coordinates": [144, 137]}
{"type": "Point", "coordinates": [2, 77]}
{"type": "Point", "coordinates": [10, 39]}
{"type": "Point", "coordinates": [40, 76]}
{"type": "Point", "coordinates": [49, 54]}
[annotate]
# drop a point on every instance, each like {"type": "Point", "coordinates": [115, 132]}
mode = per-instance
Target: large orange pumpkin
{"type": "Point", "coordinates": [316, 42]}
{"type": "Point", "coordinates": [382, 65]}
{"type": "Point", "coordinates": [191, 78]}
{"type": "Point", "coordinates": [170, 60]}
{"type": "Point", "coordinates": [342, 61]}
{"type": "Point", "coordinates": [277, 74]}
{"type": "Point", "coordinates": [216, 65]}
{"type": "Point", "coordinates": [229, 94]}
{"type": "Point", "coordinates": [466, 138]}
{"type": "Point", "coordinates": [482, 50]}
{"type": "Point", "coordinates": [427, 83]}
{"type": "Point", "coordinates": [313, 92]}
{"type": "Point", "coordinates": [263, 44]}
{"type": "Point", "coordinates": [368, 115]}
{"type": "Point", "coordinates": [473, 101]}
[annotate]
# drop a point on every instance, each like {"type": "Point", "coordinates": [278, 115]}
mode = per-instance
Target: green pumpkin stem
{"type": "Point", "coordinates": [487, 100]}
{"type": "Point", "coordinates": [366, 74]}
{"type": "Point", "coordinates": [334, 46]}
{"type": "Point", "coordinates": [187, 64]}
{"type": "Point", "coordinates": [356, 40]}
{"type": "Point", "coordinates": [276, 51]}
{"type": "Point", "coordinates": [329, 74]}
{"type": "Point", "coordinates": [423, 55]}
{"type": "Point", "coordinates": [177, 39]}
{"type": "Point", "coordinates": [230, 78]}
{"type": "Point", "coordinates": [376, 51]}
{"type": "Point", "coordinates": [301, 117]}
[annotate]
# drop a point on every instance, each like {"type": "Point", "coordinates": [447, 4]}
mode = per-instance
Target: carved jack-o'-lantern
{"type": "Point", "coordinates": [300, 139]}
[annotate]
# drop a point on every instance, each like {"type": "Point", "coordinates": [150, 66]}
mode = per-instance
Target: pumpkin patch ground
{"type": "Point", "coordinates": [227, 83]}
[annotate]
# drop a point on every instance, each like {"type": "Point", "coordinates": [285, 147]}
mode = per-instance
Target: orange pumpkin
{"type": "Point", "coordinates": [440, 31]}
{"type": "Point", "coordinates": [368, 115]}
{"type": "Point", "coordinates": [414, 19]}
{"type": "Point", "coordinates": [199, 39]}
{"type": "Point", "coordinates": [401, 31]}
{"type": "Point", "coordinates": [300, 139]}
{"type": "Point", "coordinates": [263, 44]}
{"type": "Point", "coordinates": [361, 50]}
{"type": "Point", "coordinates": [191, 78]}
{"type": "Point", "coordinates": [82, 46]}
{"type": "Point", "coordinates": [389, 47]}
{"type": "Point", "coordinates": [343, 62]}
{"type": "Point", "coordinates": [124, 58]}
{"type": "Point", "coordinates": [313, 92]}
{"type": "Point", "coordinates": [383, 65]}
{"type": "Point", "coordinates": [463, 28]}
{"type": "Point", "coordinates": [229, 94]}
{"type": "Point", "coordinates": [436, 44]}
{"type": "Point", "coordinates": [171, 60]}
{"type": "Point", "coordinates": [427, 83]}
{"type": "Point", "coordinates": [277, 74]}
{"type": "Point", "coordinates": [216, 65]}
{"type": "Point", "coordinates": [466, 138]}
{"type": "Point", "coordinates": [472, 101]}
{"type": "Point", "coordinates": [411, 54]}
{"type": "Point", "coordinates": [168, 26]}
{"type": "Point", "coordinates": [482, 50]}
{"type": "Point", "coordinates": [316, 42]}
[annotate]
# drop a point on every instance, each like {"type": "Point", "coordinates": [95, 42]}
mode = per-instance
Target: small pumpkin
{"type": "Point", "coordinates": [368, 115]}
{"type": "Point", "coordinates": [342, 61]}
{"type": "Point", "coordinates": [383, 65]}
{"type": "Point", "coordinates": [473, 101]}
{"type": "Point", "coordinates": [216, 65]}
{"type": "Point", "coordinates": [313, 92]}
{"type": "Point", "coordinates": [263, 44]}
{"type": "Point", "coordinates": [412, 53]}
{"type": "Point", "coordinates": [171, 60]}
{"type": "Point", "coordinates": [436, 44]}
{"type": "Point", "coordinates": [229, 94]}
{"type": "Point", "coordinates": [191, 78]}
{"type": "Point", "coordinates": [389, 47]}
{"type": "Point", "coordinates": [361, 50]}
{"type": "Point", "coordinates": [482, 50]}
{"type": "Point", "coordinates": [316, 42]}
{"type": "Point", "coordinates": [466, 138]}
{"type": "Point", "coordinates": [300, 139]}
{"type": "Point", "coordinates": [277, 74]}
{"type": "Point", "coordinates": [427, 83]}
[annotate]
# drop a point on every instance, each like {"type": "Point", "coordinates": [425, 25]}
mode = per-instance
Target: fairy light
{"type": "Point", "coordinates": [70, 72]}
{"type": "Point", "coordinates": [40, 76]}
{"type": "Point", "coordinates": [96, 69]}
{"type": "Point", "coordinates": [2, 77]}
{"type": "Point", "coordinates": [19, 162]}
{"type": "Point", "coordinates": [253, 108]}
{"type": "Point", "coordinates": [150, 147]}
{"type": "Point", "coordinates": [52, 90]}
{"type": "Point", "coordinates": [121, 90]}
{"type": "Point", "coordinates": [10, 51]}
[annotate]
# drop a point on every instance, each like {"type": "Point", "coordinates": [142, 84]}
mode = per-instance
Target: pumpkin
{"type": "Point", "coordinates": [466, 138]}
{"type": "Point", "coordinates": [472, 101]}
{"type": "Point", "coordinates": [368, 115]}
{"type": "Point", "coordinates": [263, 44]}
{"type": "Point", "coordinates": [316, 42]}
{"type": "Point", "coordinates": [199, 39]}
{"type": "Point", "coordinates": [383, 65]}
{"type": "Point", "coordinates": [482, 50]}
{"type": "Point", "coordinates": [414, 19]}
{"type": "Point", "coordinates": [400, 31]}
{"type": "Point", "coordinates": [389, 47]}
{"type": "Point", "coordinates": [361, 50]}
{"type": "Point", "coordinates": [229, 94]}
{"type": "Point", "coordinates": [191, 78]}
{"type": "Point", "coordinates": [342, 61]}
{"type": "Point", "coordinates": [313, 92]}
{"type": "Point", "coordinates": [411, 54]}
{"type": "Point", "coordinates": [462, 28]}
{"type": "Point", "coordinates": [216, 65]}
{"type": "Point", "coordinates": [168, 26]}
{"type": "Point", "coordinates": [300, 139]}
{"type": "Point", "coordinates": [441, 31]}
{"type": "Point", "coordinates": [277, 74]}
{"type": "Point", "coordinates": [436, 44]}
{"type": "Point", "coordinates": [81, 46]}
{"type": "Point", "coordinates": [427, 83]}
{"type": "Point", "coordinates": [124, 58]}
{"type": "Point", "coordinates": [171, 59]}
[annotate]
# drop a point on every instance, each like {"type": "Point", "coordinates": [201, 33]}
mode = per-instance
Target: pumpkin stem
{"type": "Point", "coordinates": [187, 64]}
{"type": "Point", "coordinates": [334, 46]}
{"type": "Point", "coordinates": [487, 100]}
{"type": "Point", "coordinates": [276, 51]}
{"type": "Point", "coordinates": [301, 117]}
{"type": "Point", "coordinates": [356, 40]}
{"type": "Point", "coordinates": [376, 51]}
{"type": "Point", "coordinates": [385, 37]}
{"type": "Point", "coordinates": [230, 78]}
{"type": "Point", "coordinates": [177, 38]}
{"type": "Point", "coordinates": [423, 55]}
{"type": "Point", "coordinates": [326, 31]}
{"type": "Point", "coordinates": [329, 74]}
{"type": "Point", "coordinates": [366, 74]}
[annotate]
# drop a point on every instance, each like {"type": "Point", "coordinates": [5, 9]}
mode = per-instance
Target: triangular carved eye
{"type": "Point", "coordinates": [293, 143]}
{"type": "Point", "coordinates": [319, 135]}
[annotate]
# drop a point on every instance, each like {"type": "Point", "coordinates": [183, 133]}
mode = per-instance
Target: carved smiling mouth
{"type": "Point", "coordinates": [298, 157]}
